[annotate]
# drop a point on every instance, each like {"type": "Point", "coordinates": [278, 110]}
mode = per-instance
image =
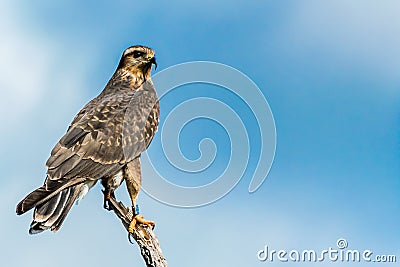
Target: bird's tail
{"type": "Point", "coordinates": [51, 214]}
{"type": "Point", "coordinates": [52, 203]}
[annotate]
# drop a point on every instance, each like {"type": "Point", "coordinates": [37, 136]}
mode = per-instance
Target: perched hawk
{"type": "Point", "coordinates": [103, 142]}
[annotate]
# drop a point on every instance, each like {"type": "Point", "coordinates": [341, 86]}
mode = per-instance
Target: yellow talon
{"type": "Point", "coordinates": [132, 226]}
{"type": "Point", "coordinates": [139, 219]}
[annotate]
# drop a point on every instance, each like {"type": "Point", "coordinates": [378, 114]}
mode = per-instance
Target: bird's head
{"type": "Point", "coordinates": [138, 60]}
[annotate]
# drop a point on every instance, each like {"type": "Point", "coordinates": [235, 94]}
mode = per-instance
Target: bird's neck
{"type": "Point", "coordinates": [123, 80]}
{"type": "Point", "coordinates": [136, 76]}
{"type": "Point", "coordinates": [133, 77]}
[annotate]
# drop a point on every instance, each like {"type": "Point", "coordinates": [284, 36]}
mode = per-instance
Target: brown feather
{"type": "Point", "coordinates": [110, 131]}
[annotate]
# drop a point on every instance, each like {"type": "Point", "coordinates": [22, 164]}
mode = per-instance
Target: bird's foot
{"type": "Point", "coordinates": [139, 219]}
{"type": "Point", "coordinates": [106, 201]}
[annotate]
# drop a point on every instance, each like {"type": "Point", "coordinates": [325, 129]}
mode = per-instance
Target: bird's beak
{"type": "Point", "coordinates": [153, 61]}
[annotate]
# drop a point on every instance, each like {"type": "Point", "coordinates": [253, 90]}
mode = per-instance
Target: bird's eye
{"type": "Point", "coordinates": [137, 54]}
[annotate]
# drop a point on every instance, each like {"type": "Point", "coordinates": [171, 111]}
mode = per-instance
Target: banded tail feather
{"type": "Point", "coordinates": [52, 206]}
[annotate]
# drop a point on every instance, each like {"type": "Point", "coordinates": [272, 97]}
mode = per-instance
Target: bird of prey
{"type": "Point", "coordinates": [103, 142]}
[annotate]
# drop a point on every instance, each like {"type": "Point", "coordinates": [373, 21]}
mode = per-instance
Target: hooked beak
{"type": "Point", "coordinates": [153, 61]}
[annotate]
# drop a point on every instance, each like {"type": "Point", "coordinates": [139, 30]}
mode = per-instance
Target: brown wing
{"type": "Point", "coordinates": [114, 132]}
{"type": "Point", "coordinates": [152, 123]}
{"type": "Point", "coordinates": [110, 131]}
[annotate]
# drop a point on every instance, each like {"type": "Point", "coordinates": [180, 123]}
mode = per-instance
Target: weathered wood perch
{"type": "Point", "coordinates": [143, 235]}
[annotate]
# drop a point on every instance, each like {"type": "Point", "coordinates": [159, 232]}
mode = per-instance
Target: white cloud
{"type": "Point", "coordinates": [23, 66]}
{"type": "Point", "coordinates": [30, 73]}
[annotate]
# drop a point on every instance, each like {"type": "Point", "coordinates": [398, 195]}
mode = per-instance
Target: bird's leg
{"type": "Point", "coordinates": [133, 179]}
{"type": "Point", "coordinates": [108, 194]}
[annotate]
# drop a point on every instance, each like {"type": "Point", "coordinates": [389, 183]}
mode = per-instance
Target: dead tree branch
{"type": "Point", "coordinates": [143, 235]}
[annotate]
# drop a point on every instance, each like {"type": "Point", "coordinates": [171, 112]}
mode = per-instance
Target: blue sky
{"type": "Point", "coordinates": [329, 70]}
